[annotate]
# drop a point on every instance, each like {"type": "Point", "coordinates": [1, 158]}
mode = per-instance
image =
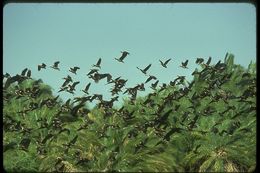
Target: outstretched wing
{"type": "Point", "coordinates": [166, 62]}
{"type": "Point", "coordinates": [146, 68]}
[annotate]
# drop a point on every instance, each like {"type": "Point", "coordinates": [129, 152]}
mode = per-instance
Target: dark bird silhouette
{"type": "Point", "coordinates": [145, 69]}
{"type": "Point", "coordinates": [97, 64]}
{"type": "Point", "coordinates": [208, 62]}
{"type": "Point", "coordinates": [154, 85]}
{"type": "Point", "coordinates": [165, 63]}
{"type": "Point", "coordinates": [55, 65]}
{"type": "Point", "coordinates": [86, 88]}
{"type": "Point", "coordinates": [199, 60]}
{"type": "Point", "coordinates": [124, 54]}
{"type": "Point", "coordinates": [184, 64]}
{"type": "Point", "coordinates": [92, 71]}
{"type": "Point", "coordinates": [72, 87]}
{"type": "Point", "coordinates": [68, 78]}
{"type": "Point", "coordinates": [24, 72]}
{"type": "Point", "coordinates": [28, 74]}
{"type": "Point", "coordinates": [74, 70]}
{"type": "Point", "coordinates": [97, 76]}
{"type": "Point", "coordinates": [63, 88]}
{"type": "Point", "coordinates": [41, 66]}
{"type": "Point", "coordinates": [17, 78]}
{"type": "Point", "coordinates": [150, 78]}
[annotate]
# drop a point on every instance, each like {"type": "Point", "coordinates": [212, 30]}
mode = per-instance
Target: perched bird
{"type": "Point", "coordinates": [97, 64]}
{"type": "Point", "coordinates": [165, 63]}
{"type": "Point", "coordinates": [124, 54]}
{"type": "Point", "coordinates": [145, 69]}
{"type": "Point", "coordinates": [41, 66]}
{"type": "Point", "coordinates": [55, 65]}
{"type": "Point", "coordinates": [150, 78]}
{"type": "Point", "coordinates": [74, 70]}
{"type": "Point", "coordinates": [86, 88]}
{"type": "Point", "coordinates": [184, 64]}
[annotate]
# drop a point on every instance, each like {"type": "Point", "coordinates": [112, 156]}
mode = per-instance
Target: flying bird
{"type": "Point", "coordinates": [184, 64]}
{"type": "Point", "coordinates": [199, 60]}
{"type": "Point", "coordinates": [41, 66]}
{"type": "Point", "coordinates": [74, 70]}
{"type": "Point", "coordinates": [208, 62]}
{"type": "Point", "coordinates": [24, 72]}
{"type": "Point", "coordinates": [97, 64]}
{"type": "Point", "coordinates": [92, 71]}
{"type": "Point", "coordinates": [165, 63]}
{"type": "Point", "coordinates": [86, 88]}
{"type": "Point", "coordinates": [145, 69]}
{"type": "Point", "coordinates": [55, 65]}
{"type": "Point", "coordinates": [124, 54]}
{"type": "Point", "coordinates": [154, 85]}
{"type": "Point", "coordinates": [150, 78]}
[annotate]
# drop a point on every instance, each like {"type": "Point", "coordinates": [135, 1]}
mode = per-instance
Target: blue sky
{"type": "Point", "coordinates": [79, 34]}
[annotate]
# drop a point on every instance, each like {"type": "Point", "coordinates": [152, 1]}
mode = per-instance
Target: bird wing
{"type": "Point", "coordinates": [87, 87]}
{"type": "Point", "coordinates": [167, 61]}
{"type": "Point", "coordinates": [209, 60]}
{"type": "Point", "coordinates": [56, 63]}
{"type": "Point", "coordinates": [29, 73]}
{"type": "Point", "coordinates": [24, 71]}
{"type": "Point", "coordinates": [148, 79]}
{"type": "Point", "coordinates": [75, 83]}
{"type": "Point", "coordinates": [186, 62]}
{"type": "Point", "coordinates": [39, 67]}
{"type": "Point", "coordinates": [161, 62]}
{"type": "Point", "coordinates": [99, 62]}
{"type": "Point", "coordinates": [146, 68]}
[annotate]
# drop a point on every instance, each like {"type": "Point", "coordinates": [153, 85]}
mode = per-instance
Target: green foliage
{"type": "Point", "coordinates": [211, 128]}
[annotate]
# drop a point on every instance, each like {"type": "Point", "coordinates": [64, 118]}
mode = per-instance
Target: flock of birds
{"type": "Point", "coordinates": [211, 74]}
{"type": "Point", "coordinates": [70, 86]}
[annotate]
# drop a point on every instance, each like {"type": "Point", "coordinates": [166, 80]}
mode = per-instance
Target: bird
{"type": "Point", "coordinates": [68, 78]}
{"type": "Point", "coordinates": [208, 62]}
{"type": "Point", "coordinates": [184, 64]}
{"type": "Point", "coordinates": [154, 85]}
{"type": "Point", "coordinates": [41, 66]}
{"type": "Point", "coordinates": [55, 65]}
{"type": "Point", "coordinates": [92, 71]}
{"type": "Point", "coordinates": [145, 69]}
{"type": "Point", "coordinates": [72, 87]}
{"type": "Point", "coordinates": [165, 63]}
{"type": "Point", "coordinates": [150, 78]}
{"type": "Point", "coordinates": [199, 60]}
{"type": "Point", "coordinates": [124, 54]}
{"type": "Point", "coordinates": [74, 70]}
{"type": "Point", "coordinates": [97, 64]}
{"type": "Point", "coordinates": [24, 72]}
{"type": "Point", "coordinates": [86, 88]}
{"type": "Point", "coordinates": [28, 74]}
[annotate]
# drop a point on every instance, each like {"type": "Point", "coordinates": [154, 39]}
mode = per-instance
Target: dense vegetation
{"type": "Point", "coordinates": [208, 124]}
